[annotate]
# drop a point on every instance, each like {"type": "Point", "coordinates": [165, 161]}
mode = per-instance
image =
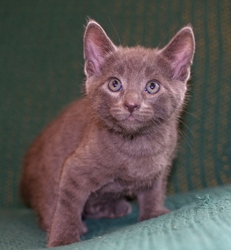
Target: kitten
{"type": "Point", "coordinates": [118, 140]}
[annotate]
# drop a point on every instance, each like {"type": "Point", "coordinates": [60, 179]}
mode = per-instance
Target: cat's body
{"type": "Point", "coordinates": [118, 140]}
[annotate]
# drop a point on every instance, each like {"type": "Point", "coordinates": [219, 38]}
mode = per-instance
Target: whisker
{"type": "Point", "coordinates": [184, 134]}
{"type": "Point", "coordinates": [187, 127]}
{"type": "Point", "coordinates": [192, 114]}
{"type": "Point", "coordinates": [185, 138]}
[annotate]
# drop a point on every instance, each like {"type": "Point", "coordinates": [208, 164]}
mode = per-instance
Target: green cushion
{"type": "Point", "coordinates": [200, 220]}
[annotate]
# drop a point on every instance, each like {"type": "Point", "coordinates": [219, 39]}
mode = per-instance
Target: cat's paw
{"type": "Point", "coordinates": [120, 209]}
{"type": "Point", "coordinates": [84, 229]}
{"type": "Point", "coordinates": [63, 240]}
{"type": "Point", "coordinates": [65, 236]}
{"type": "Point", "coordinates": [68, 238]}
{"type": "Point", "coordinates": [110, 209]}
{"type": "Point", "coordinates": [154, 214]}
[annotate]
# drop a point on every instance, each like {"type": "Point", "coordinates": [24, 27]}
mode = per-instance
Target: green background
{"type": "Point", "coordinates": [41, 71]}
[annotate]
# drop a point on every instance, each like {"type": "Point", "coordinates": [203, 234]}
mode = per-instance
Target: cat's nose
{"type": "Point", "coordinates": [131, 106]}
{"type": "Point", "coordinates": [131, 100]}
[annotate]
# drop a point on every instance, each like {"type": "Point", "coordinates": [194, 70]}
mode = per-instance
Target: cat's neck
{"type": "Point", "coordinates": [136, 145]}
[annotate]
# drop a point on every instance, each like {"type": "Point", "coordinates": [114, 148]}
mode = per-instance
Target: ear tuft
{"type": "Point", "coordinates": [179, 52]}
{"type": "Point", "coordinates": [97, 45]}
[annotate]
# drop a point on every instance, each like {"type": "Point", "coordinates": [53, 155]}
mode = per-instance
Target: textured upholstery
{"type": "Point", "coordinates": [41, 65]}
{"type": "Point", "coordinates": [200, 220]}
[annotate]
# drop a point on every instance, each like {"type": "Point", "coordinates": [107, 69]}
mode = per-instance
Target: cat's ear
{"type": "Point", "coordinates": [97, 45]}
{"type": "Point", "coordinates": [179, 53]}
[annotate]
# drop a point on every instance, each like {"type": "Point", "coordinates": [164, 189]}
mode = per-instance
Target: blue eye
{"type": "Point", "coordinates": [152, 87]}
{"type": "Point", "coordinates": [114, 85]}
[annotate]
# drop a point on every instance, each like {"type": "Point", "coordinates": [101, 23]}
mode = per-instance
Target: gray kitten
{"type": "Point", "coordinates": [118, 140]}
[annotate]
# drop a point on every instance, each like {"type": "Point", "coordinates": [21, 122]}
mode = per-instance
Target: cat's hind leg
{"type": "Point", "coordinates": [110, 208]}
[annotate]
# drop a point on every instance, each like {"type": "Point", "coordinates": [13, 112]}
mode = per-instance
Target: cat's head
{"type": "Point", "coordinates": [135, 89]}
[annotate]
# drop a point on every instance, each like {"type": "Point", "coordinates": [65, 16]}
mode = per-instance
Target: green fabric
{"type": "Point", "coordinates": [41, 67]}
{"type": "Point", "coordinates": [200, 221]}
{"type": "Point", "coordinates": [41, 71]}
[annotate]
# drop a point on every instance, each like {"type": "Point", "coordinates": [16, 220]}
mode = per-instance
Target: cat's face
{"type": "Point", "coordinates": [133, 89]}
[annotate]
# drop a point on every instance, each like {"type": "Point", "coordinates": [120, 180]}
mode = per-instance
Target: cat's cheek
{"type": "Point", "coordinates": [162, 111]}
{"type": "Point", "coordinates": [100, 101]}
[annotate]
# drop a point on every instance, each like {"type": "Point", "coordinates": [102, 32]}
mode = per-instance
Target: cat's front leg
{"type": "Point", "coordinates": [151, 201]}
{"type": "Point", "coordinates": [76, 184]}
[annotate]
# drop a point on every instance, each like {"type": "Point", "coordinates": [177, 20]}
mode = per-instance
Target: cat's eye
{"type": "Point", "coordinates": [114, 85]}
{"type": "Point", "coordinates": [152, 87]}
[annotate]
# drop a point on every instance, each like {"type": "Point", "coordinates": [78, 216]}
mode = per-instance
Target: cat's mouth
{"type": "Point", "coordinates": [131, 118]}
{"type": "Point", "coordinates": [135, 118]}
{"type": "Point", "coordinates": [131, 122]}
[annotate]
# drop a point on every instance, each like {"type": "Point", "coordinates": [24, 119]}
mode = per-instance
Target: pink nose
{"type": "Point", "coordinates": [131, 106]}
{"type": "Point", "coordinates": [132, 100]}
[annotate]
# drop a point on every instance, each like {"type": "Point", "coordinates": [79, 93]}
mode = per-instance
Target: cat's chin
{"type": "Point", "coordinates": [130, 119]}
{"type": "Point", "coordinates": [130, 125]}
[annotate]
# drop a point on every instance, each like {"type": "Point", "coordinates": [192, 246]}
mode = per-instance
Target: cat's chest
{"type": "Point", "coordinates": [132, 174]}
{"type": "Point", "coordinates": [134, 162]}
{"type": "Point", "coordinates": [142, 169]}
{"type": "Point", "coordinates": [130, 179]}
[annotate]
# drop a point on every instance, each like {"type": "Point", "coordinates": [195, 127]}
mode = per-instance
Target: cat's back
{"type": "Point", "coordinates": [63, 134]}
